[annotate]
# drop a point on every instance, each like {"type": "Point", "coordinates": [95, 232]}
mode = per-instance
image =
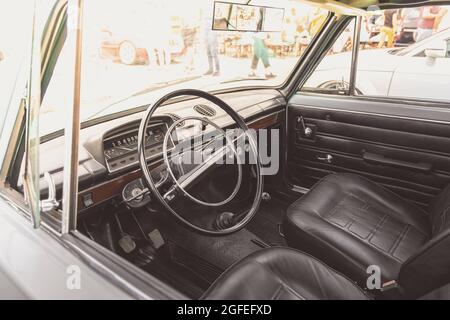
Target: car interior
{"type": "Point", "coordinates": [360, 182]}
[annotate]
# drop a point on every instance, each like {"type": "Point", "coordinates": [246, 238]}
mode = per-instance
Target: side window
{"type": "Point", "coordinates": [14, 50]}
{"type": "Point", "coordinates": [405, 54]}
{"type": "Point", "coordinates": [332, 75]}
{"type": "Point", "coordinates": [402, 54]}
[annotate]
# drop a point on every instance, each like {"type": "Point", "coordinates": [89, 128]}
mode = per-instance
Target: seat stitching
{"type": "Point", "coordinates": [295, 292]}
{"type": "Point", "coordinates": [344, 254]}
{"type": "Point", "coordinates": [277, 291]}
{"type": "Point", "coordinates": [388, 191]}
{"type": "Point", "coordinates": [391, 192]}
{"type": "Point", "coordinates": [377, 227]}
{"type": "Point", "coordinates": [313, 258]}
{"type": "Point", "coordinates": [372, 233]}
{"type": "Point", "coordinates": [399, 240]}
{"type": "Point", "coordinates": [333, 209]}
{"type": "Point", "coordinates": [368, 244]}
{"type": "Point", "coordinates": [282, 282]}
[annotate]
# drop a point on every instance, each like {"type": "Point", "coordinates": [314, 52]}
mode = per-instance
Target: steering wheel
{"type": "Point", "coordinates": [180, 185]}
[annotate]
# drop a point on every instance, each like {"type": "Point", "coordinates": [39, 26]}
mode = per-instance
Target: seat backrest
{"type": "Point", "coordinates": [429, 269]}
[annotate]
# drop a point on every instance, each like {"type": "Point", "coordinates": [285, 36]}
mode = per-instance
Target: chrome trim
{"type": "Point", "coordinates": [300, 189]}
{"type": "Point", "coordinates": [32, 139]}
{"type": "Point", "coordinates": [50, 203]}
{"type": "Point", "coordinates": [202, 167]}
{"type": "Point", "coordinates": [355, 53]}
{"type": "Point", "coordinates": [72, 130]}
{"type": "Point", "coordinates": [371, 114]}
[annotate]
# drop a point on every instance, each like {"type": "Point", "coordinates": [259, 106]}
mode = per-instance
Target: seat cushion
{"type": "Point", "coordinates": [282, 274]}
{"type": "Point", "coordinates": [351, 223]}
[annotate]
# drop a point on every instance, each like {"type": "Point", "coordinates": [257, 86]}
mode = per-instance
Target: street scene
{"type": "Point", "coordinates": [177, 50]}
{"type": "Point", "coordinates": [225, 151]}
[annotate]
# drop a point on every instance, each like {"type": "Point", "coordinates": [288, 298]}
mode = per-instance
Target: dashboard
{"type": "Point", "coordinates": [104, 169]}
{"type": "Point", "coordinates": [120, 149]}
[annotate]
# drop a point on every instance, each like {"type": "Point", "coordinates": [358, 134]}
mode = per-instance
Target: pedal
{"type": "Point", "coordinates": [156, 239]}
{"type": "Point", "coordinates": [144, 256]}
{"type": "Point", "coordinates": [127, 243]}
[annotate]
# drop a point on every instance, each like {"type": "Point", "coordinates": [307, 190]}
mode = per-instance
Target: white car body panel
{"type": "Point", "coordinates": [35, 264]}
{"type": "Point", "coordinates": [382, 73]}
{"type": "Point", "coordinates": [422, 77]}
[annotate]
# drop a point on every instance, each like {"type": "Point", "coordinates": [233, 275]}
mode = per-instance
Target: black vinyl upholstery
{"type": "Point", "coordinates": [350, 223]}
{"type": "Point", "coordinates": [383, 128]}
{"type": "Point", "coordinates": [282, 274]}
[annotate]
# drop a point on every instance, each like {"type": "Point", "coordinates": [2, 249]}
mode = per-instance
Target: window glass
{"type": "Point", "coordinates": [135, 51]}
{"type": "Point", "coordinates": [404, 53]}
{"type": "Point", "coordinates": [333, 72]}
{"type": "Point", "coordinates": [15, 44]}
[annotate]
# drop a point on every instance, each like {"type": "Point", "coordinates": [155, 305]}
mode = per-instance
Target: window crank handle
{"type": "Point", "coordinates": [328, 158]}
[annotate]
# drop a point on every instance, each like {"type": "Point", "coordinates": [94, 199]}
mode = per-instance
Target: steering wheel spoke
{"type": "Point", "coordinates": [211, 155]}
{"type": "Point", "coordinates": [171, 194]}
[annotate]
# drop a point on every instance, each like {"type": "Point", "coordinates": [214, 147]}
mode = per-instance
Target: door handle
{"type": "Point", "coordinates": [50, 203]}
{"type": "Point", "coordinates": [328, 158]}
{"type": "Point", "coordinates": [382, 160]}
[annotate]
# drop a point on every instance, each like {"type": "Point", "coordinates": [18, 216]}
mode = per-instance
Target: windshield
{"type": "Point", "coordinates": [133, 52]}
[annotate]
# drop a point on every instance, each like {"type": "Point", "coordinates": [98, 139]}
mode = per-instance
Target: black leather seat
{"type": "Point", "coordinates": [288, 274]}
{"type": "Point", "coordinates": [350, 223]}
{"type": "Point", "coordinates": [282, 274]}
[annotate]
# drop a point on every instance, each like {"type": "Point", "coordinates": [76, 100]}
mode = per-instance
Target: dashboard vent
{"type": "Point", "coordinates": [176, 118]}
{"type": "Point", "coordinates": [204, 110]}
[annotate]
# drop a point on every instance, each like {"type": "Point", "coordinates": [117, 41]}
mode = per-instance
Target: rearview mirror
{"type": "Point", "coordinates": [437, 50]}
{"type": "Point", "coordinates": [241, 17]}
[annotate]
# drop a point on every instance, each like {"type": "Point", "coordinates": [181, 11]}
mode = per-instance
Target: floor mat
{"type": "Point", "coordinates": [267, 220]}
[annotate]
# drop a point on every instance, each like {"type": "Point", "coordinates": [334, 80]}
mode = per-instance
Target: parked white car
{"type": "Point", "coordinates": [396, 71]}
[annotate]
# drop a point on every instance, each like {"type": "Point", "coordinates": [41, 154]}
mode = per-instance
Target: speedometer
{"type": "Point", "coordinates": [120, 150]}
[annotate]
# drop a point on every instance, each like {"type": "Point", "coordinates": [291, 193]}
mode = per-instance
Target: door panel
{"type": "Point", "coordinates": [410, 156]}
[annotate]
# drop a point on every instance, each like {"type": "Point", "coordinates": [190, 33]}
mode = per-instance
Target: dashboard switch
{"type": "Point", "coordinates": [87, 200]}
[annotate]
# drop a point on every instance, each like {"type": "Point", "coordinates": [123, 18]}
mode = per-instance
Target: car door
{"type": "Point", "coordinates": [421, 76]}
{"type": "Point", "coordinates": [401, 143]}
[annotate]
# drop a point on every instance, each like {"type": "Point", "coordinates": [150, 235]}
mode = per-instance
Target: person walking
{"type": "Point", "coordinates": [443, 21]}
{"type": "Point", "coordinates": [188, 33]}
{"type": "Point", "coordinates": [428, 16]}
{"type": "Point", "coordinates": [212, 48]}
{"type": "Point", "coordinates": [387, 32]}
{"type": "Point", "coordinates": [260, 52]}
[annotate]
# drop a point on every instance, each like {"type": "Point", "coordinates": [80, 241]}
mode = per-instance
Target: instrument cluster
{"type": "Point", "coordinates": [120, 150]}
